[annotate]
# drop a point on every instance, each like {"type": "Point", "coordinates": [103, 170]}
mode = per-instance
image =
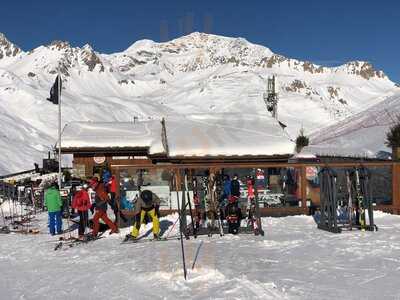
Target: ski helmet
{"type": "Point", "coordinates": [147, 196]}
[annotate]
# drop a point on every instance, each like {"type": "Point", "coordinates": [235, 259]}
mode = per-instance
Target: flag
{"type": "Point", "coordinates": [55, 90]}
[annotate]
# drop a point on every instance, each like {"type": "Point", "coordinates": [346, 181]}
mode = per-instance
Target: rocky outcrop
{"type": "Point", "coordinates": [91, 59]}
{"type": "Point", "coordinates": [363, 69]}
{"type": "Point", "coordinates": [7, 49]}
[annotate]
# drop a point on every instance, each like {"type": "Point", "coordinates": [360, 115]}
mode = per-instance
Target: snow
{"type": "Point", "coordinates": [332, 150]}
{"type": "Point", "coordinates": [363, 134]}
{"type": "Point", "coordinates": [226, 135]}
{"type": "Point", "coordinates": [294, 260]}
{"type": "Point", "coordinates": [191, 135]}
{"type": "Point", "coordinates": [143, 134]}
{"type": "Point", "coordinates": [32, 176]}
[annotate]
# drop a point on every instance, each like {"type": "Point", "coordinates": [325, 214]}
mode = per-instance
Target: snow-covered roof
{"type": "Point", "coordinates": [329, 150]}
{"type": "Point", "coordinates": [196, 135]}
{"type": "Point", "coordinates": [226, 135]}
{"type": "Point", "coordinates": [102, 135]}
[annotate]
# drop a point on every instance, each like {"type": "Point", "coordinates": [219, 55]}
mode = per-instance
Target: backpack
{"type": "Point", "coordinates": [232, 210]}
{"type": "Point", "coordinates": [235, 188]}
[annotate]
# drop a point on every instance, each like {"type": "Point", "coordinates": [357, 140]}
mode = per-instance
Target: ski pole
{"type": "Point", "coordinates": [181, 234]}
{"type": "Point", "coordinates": [169, 232]}
{"type": "Point", "coordinates": [176, 221]}
{"type": "Point", "coordinates": [197, 254]}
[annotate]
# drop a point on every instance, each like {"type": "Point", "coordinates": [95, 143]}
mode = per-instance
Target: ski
{"type": "Point", "coordinates": [213, 211]}
{"type": "Point", "coordinates": [72, 242]}
{"type": "Point", "coordinates": [186, 186]}
{"type": "Point", "coordinates": [22, 231]}
{"type": "Point", "coordinates": [257, 225]}
{"type": "Point", "coordinates": [365, 176]}
{"type": "Point", "coordinates": [143, 240]}
{"type": "Point", "coordinates": [360, 201]}
{"type": "Point", "coordinates": [350, 201]}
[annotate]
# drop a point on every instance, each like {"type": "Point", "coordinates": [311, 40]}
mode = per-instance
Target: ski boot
{"type": "Point", "coordinates": [5, 230]}
{"type": "Point", "coordinates": [129, 237]}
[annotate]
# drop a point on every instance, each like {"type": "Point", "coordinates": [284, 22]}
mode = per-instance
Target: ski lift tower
{"type": "Point", "coordinates": [271, 97]}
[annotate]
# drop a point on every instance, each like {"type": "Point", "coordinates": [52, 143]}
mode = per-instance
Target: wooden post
{"type": "Point", "coordinates": [178, 181]}
{"type": "Point", "coordinates": [396, 187]}
{"type": "Point", "coordinates": [395, 153]}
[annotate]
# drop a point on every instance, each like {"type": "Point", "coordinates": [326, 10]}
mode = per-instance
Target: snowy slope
{"type": "Point", "coordinates": [198, 73]}
{"type": "Point", "coordinates": [363, 133]}
{"type": "Point", "coordinates": [294, 260]}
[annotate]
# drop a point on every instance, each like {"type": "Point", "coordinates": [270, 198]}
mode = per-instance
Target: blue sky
{"type": "Point", "coordinates": [324, 32]}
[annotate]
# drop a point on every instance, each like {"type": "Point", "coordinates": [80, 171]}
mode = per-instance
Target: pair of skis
{"type": "Point", "coordinates": [143, 240]}
{"type": "Point", "coordinates": [360, 188]}
{"type": "Point", "coordinates": [72, 241]}
{"type": "Point", "coordinates": [256, 215]}
{"type": "Point", "coordinates": [213, 209]}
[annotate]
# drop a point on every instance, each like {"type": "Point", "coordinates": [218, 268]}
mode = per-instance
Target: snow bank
{"type": "Point", "coordinates": [294, 260]}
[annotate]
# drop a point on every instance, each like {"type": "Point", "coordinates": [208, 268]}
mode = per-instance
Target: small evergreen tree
{"type": "Point", "coordinates": [393, 135]}
{"type": "Point", "coordinates": [301, 141]}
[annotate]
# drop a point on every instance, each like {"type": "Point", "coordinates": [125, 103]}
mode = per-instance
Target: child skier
{"type": "Point", "coordinates": [147, 204]}
{"type": "Point", "coordinates": [81, 202]}
{"type": "Point", "coordinates": [52, 200]}
{"type": "Point", "coordinates": [233, 215]}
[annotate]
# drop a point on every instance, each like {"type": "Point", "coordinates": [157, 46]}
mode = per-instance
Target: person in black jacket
{"type": "Point", "coordinates": [235, 186]}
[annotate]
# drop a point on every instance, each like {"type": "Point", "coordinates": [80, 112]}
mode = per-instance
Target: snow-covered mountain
{"type": "Point", "coordinates": [198, 73]}
{"type": "Point", "coordinates": [363, 133]}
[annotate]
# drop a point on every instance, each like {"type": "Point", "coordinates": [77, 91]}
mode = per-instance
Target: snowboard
{"type": "Point", "coordinates": [350, 200]}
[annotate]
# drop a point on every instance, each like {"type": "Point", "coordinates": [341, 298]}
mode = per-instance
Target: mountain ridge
{"type": "Point", "coordinates": [197, 73]}
{"type": "Point", "coordinates": [196, 39]}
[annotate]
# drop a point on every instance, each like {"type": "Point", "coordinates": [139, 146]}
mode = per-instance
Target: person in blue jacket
{"type": "Point", "coordinates": [226, 187]}
{"type": "Point", "coordinates": [106, 177]}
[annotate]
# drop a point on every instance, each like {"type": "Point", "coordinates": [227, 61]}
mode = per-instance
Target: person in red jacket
{"type": "Point", "coordinates": [81, 202]}
{"type": "Point", "coordinates": [101, 200]}
{"type": "Point", "coordinates": [112, 188]}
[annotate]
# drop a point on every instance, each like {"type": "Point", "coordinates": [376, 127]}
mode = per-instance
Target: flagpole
{"type": "Point", "coordinates": [59, 151]}
{"type": "Point", "coordinates": [59, 130]}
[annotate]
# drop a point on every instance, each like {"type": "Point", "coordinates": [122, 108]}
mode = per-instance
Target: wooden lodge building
{"type": "Point", "coordinates": [246, 145]}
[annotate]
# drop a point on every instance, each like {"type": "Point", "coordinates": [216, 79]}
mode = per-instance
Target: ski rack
{"type": "Point", "coordinates": [359, 190]}
{"type": "Point", "coordinates": [17, 219]}
{"type": "Point", "coordinates": [192, 230]}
